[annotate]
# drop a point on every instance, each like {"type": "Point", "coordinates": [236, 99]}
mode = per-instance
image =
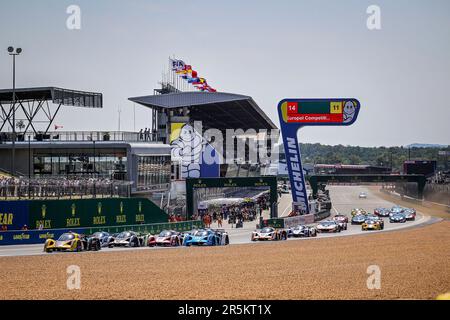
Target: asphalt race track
{"type": "Point", "coordinates": [344, 198]}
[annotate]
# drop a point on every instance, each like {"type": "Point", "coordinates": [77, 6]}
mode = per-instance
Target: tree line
{"type": "Point", "coordinates": [378, 156]}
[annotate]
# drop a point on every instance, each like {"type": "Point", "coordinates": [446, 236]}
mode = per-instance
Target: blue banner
{"type": "Point", "coordinates": [14, 214]}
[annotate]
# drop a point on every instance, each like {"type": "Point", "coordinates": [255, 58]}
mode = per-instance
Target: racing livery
{"type": "Point", "coordinates": [302, 231]}
{"type": "Point", "coordinates": [168, 238]}
{"type": "Point", "coordinates": [269, 233]}
{"type": "Point", "coordinates": [357, 211]}
{"type": "Point", "coordinates": [397, 218]}
{"type": "Point", "coordinates": [206, 237]}
{"type": "Point", "coordinates": [105, 238]}
{"type": "Point", "coordinates": [328, 226]}
{"type": "Point", "coordinates": [71, 241]}
{"type": "Point", "coordinates": [382, 212]}
{"type": "Point", "coordinates": [127, 239]}
{"type": "Point", "coordinates": [358, 219]}
{"type": "Point", "coordinates": [371, 224]}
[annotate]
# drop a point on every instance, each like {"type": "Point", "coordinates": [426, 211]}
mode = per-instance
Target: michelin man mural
{"type": "Point", "coordinates": [188, 149]}
{"type": "Point", "coordinates": [349, 111]}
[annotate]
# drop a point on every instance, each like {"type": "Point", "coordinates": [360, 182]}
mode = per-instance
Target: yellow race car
{"type": "Point", "coordinates": [371, 224]}
{"type": "Point", "coordinates": [357, 211]}
{"type": "Point", "coordinates": [74, 242]}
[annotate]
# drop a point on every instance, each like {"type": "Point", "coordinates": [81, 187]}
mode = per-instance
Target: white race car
{"type": "Point", "coordinates": [302, 231]}
{"type": "Point", "coordinates": [269, 233]}
{"type": "Point", "coordinates": [328, 226]}
{"type": "Point", "coordinates": [363, 195]}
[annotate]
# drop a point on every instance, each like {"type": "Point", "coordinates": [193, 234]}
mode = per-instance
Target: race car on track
{"type": "Point", "coordinates": [371, 224]}
{"type": "Point", "coordinates": [302, 231]}
{"type": "Point", "coordinates": [105, 238]}
{"type": "Point", "coordinates": [269, 233]}
{"type": "Point", "coordinates": [341, 220]}
{"type": "Point", "coordinates": [377, 219]}
{"type": "Point", "coordinates": [357, 211]}
{"type": "Point", "coordinates": [206, 237]}
{"type": "Point", "coordinates": [395, 210]}
{"type": "Point", "coordinates": [165, 238]}
{"type": "Point", "coordinates": [71, 241]}
{"type": "Point", "coordinates": [397, 218]}
{"type": "Point", "coordinates": [127, 239]}
{"type": "Point", "coordinates": [328, 226]}
{"type": "Point", "coordinates": [382, 212]}
{"type": "Point", "coordinates": [362, 195]}
{"type": "Point", "coordinates": [410, 214]}
{"type": "Point", "coordinates": [358, 219]}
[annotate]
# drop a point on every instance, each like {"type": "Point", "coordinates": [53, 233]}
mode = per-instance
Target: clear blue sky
{"type": "Point", "coordinates": [266, 49]}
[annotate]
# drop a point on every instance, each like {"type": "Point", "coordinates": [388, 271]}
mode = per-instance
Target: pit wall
{"type": "Point", "coordinates": [79, 213]}
{"type": "Point", "coordinates": [39, 236]}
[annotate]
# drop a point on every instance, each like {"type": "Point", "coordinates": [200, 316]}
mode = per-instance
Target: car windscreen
{"type": "Point", "coordinates": [124, 235]}
{"type": "Point", "coordinates": [66, 237]}
{"type": "Point", "coordinates": [201, 233]}
{"type": "Point", "coordinates": [266, 230]}
{"type": "Point", "coordinates": [165, 233]}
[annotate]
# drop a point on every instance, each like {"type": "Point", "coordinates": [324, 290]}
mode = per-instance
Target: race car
{"type": "Point", "coordinates": [302, 231]}
{"type": "Point", "coordinates": [328, 226]}
{"type": "Point", "coordinates": [397, 218]}
{"type": "Point", "coordinates": [165, 238]}
{"type": "Point", "coordinates": [71, 241]}
{"type": "Point", "coordinates": [105, 238]}
{"type": "Point", "coordinates": [358, 219]}
{"type": "Point", "coordinates": [357, 211]}
{"type": "Point", "coordinates": [127, 239]}
{"type": "Point", "coordinates": [341, 220]}
{"type": "Point", "coordinates": [376, 219]}
{"type": "Point", "coordinates": [269, 233]}
{"type": "Point", "coordinates": [206, 237]}
{"type": "Point", "coordinates": [362, 195]}
{"type": "Point", "coordinates": [382, 212]}
{"type": "Point", "coordinates": [395, 210]}
{"type": "Point", "coordinates": [410, 214]}
{"type": "Point", "coordinates": [371, 224]}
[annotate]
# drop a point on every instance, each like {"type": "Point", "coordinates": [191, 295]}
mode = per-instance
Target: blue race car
{"type": "Point", "coordinates": [206, 237]}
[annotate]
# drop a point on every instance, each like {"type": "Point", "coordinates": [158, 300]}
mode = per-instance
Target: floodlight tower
{"type": "Point", "coordinates": [14, 52]}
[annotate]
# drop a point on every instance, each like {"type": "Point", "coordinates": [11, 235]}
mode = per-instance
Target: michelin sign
{"type": "Point", "coordinates": [297, 113]}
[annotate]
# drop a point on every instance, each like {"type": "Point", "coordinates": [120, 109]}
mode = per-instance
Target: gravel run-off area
{"type": "Point", "coordinates": [414, 263]}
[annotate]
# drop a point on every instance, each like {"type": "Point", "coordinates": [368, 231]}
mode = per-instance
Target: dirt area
{"type": "Point", "coordinates": [414, 263]}
{"type": "Point", "coordinates": [429, 208]}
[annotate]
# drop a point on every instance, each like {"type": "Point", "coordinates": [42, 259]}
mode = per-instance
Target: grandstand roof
{"type": "Point", "coordinates": [214, 109]}
{"type": "Point", "coordinates": [65, 97]}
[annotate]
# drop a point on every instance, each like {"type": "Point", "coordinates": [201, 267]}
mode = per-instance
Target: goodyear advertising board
{"type": "Point", "coordinates": [13, 214]}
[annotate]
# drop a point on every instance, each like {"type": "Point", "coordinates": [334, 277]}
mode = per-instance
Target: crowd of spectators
{"type": "Point", "coordinates": [441, 177]}
{"type": "Point", "coordinates": [61, 187]}
{"type": "Point", "coordinates": [235, 214]}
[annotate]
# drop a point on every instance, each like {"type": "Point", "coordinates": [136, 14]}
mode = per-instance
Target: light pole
{"type": "Point", "coordinates": [14, 52]}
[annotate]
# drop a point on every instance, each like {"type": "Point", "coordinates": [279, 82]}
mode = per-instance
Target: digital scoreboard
{"type": "Point", "coordinates": [319, 111]}
{"type": "Point", "coordinates": [297, 113]}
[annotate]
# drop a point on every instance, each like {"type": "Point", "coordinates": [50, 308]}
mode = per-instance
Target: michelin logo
{"type": "Point", "coordinates": [297, 180]}
{"type": "Point", "coordinates": [188, 148]}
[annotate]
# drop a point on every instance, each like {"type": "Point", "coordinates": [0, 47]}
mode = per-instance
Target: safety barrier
{"type": "Point", "coordinates": [296, 220]}
{"type": "Point", "coordinates": [39, 236]}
